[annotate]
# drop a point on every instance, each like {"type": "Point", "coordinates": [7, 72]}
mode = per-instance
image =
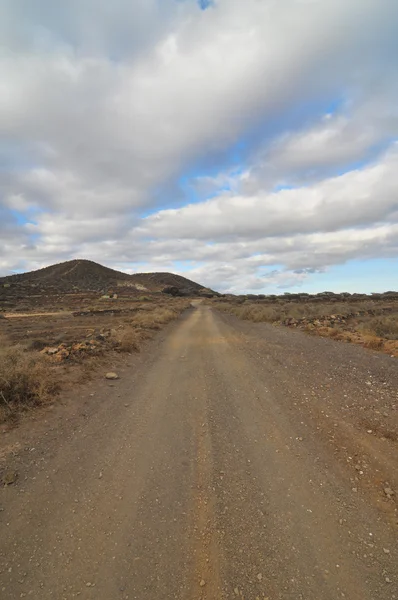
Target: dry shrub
{"type": "Point", "coordinates": [25, 380]}
{"type": "Point", "coordinates": [374, 343]}
{"type": "Point", "coordinates": [146, 320]}
{"type": "Point", "coordinates": [153, 319]}
{"type": "Point", "coordinates": [129, 341]}
{"type": "Point", "coordinates": [383, 326]}
{"type": "Point", "coordinates": [38, 344]}
{"type": "Point", "coordinates": [253, 312]}
{"type": "Point", "coordinates": [334, 332]}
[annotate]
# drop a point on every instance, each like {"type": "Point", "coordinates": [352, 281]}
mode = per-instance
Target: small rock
{"type": "Point", "coordinates": [111, 376]}
{"type": "Point", "coordinates": [389, 492]}
{"type": "Point", "coordinates": [202, 583]}
{"type": "Point", "coordinates": [386, 551]}
{"type": "Point", "coordinates": [259, 577]}
{"type": "Point", "coordinates": [9, 477]}
{"type": "Point", "coordinates": [51, 351]}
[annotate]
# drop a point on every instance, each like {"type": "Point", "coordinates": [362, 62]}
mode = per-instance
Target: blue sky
{"type": "Point", "coordinates": [249, 145]}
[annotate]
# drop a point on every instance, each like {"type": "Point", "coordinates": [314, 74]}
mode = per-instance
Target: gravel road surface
{"type": "Point", "coordinates": [230, 461]}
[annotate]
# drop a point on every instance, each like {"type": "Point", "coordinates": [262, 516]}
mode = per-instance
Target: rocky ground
{"type": "Point", "coordinates": [370, 323]}
{"type": "Point", "coordinates": [229, 459]}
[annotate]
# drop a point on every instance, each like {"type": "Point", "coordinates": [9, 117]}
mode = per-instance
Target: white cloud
{"type": "Point", "coordinates": [100, 118]}
{"type": "Point", "coordinates": [360, 197]}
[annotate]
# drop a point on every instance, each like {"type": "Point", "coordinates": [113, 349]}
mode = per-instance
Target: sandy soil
{"type": "Point", "coordinates": [230, 460]}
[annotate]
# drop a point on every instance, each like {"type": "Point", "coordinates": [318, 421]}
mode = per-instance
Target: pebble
{"type": "Point", "coordinates": [9, 477]}
{"type": "Point", "coordinates": [111, 376]}
{"type": "Point", "coordinates": [259, 577]}
{"type": "Point", "coordinates": [202, 583]}
{"type": "Point", "coordinates": [389, 492]}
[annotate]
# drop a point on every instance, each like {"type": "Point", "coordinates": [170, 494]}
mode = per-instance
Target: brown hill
{"type": "Point", "coordinates": [158, 281]}
{"type": "Point", "coordinates": [86, 275]}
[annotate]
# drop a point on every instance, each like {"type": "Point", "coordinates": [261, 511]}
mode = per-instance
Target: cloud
{"type": "Point", "coordinates": [357, 198]}
{"type": "Point", "coordinates": [101, 119]}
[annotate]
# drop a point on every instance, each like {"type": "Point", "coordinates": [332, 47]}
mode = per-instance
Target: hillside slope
{"type": "Point", "coordinates": [158, 281]}
{"type": "Point", "coordinates": [85, 275]}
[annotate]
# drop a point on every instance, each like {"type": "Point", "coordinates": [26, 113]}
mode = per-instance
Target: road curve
{"type": "Point", "coordinates": [216, 471]}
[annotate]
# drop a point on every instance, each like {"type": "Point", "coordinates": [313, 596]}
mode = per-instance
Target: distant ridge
{"type": "Point", "coordinates": [87, 275]}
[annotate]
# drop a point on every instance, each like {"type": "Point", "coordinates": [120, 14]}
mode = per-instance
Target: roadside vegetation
{"type": "Point", "coordinates": [39, 354]}
{"type": "Point", "coordinates": [26, 380]}
{"type": "Point", "coordinates": [373, 325]}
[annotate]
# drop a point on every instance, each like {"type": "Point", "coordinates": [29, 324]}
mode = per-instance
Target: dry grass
{"type": "Point", "coordinates": [29, 379]}
{"type": "Point", "coordinates": [150, 317]}
{"type": "Point", "coordinates": [382, 326]}
{"type": "Point", "coordinates": [272, 313]}
{"type": "Point", "coordinates": [25, 380]}
{"type": "Point", "coordinates": [130, 341]}
{"type": "Point", "coordinates": [359, 323]}
{"type": "Point", "coordinates": [155, 317]}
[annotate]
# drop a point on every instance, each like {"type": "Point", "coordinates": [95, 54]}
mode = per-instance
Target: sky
{"type": "Point", "coordinates": [249, 145]}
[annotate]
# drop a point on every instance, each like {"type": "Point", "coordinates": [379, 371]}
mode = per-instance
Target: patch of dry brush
{"type": "Point", "coordinates": [26, 380]}
{"type": "Point", "coordinates": [148, 318]}
{"type": "Point", "coordinates": [31, 372]}
{"type": "Point", "coordinates": [362, 323]}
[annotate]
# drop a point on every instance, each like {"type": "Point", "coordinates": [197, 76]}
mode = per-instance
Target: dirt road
{"type": "Point", "coordinates": [232, 460]}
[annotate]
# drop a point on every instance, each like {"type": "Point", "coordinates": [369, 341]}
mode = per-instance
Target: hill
{"type": "Point", "coordinates": [86, 275]}
{"type": "Point", "coordinates": [158, 281]}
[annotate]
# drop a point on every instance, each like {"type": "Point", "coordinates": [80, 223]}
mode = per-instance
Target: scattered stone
{"type": "Point", "coordinates": [202, 583]}
{"type": "Point", "coordinates": [389, 492]}
{"type": "Point", "coordinates": [51, 351]}
{"type": "Point", "coordinates": [386, 551]}
{"type": "Point", "coordinates": [260, 577]}
{"type": "Point", "coordinates": [9, 477]}
{"type": "Point", "coordinates": [111, 376]}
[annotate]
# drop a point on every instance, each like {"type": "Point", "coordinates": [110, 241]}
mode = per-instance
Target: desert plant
{"type": "Point", "coordinates": [25, 380]}
{"type": "Point", "coordinates": [384, 327]}
{"type": "Point", "coordinates": [129, 341]}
